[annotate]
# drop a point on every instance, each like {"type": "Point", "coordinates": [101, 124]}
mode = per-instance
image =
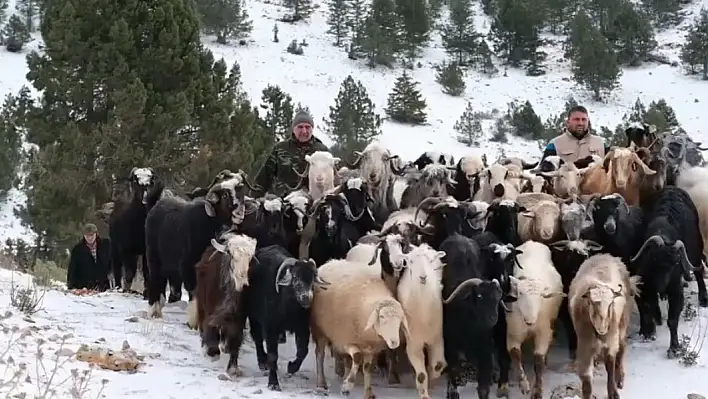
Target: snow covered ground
{"type": "Point", "coordinates": [175, 366]}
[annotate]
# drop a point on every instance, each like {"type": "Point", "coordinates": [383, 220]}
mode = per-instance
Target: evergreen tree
{"type": "Point", "coordinates": [524, 121]}
{"type": "Point", "coordinates": [594, 62]}
{"type": "Point", "coordinates": [416, 25]}
{"type": "Point", "coordinates": [279, 109]}
{"type": "Point", "coordinates": [337, 20]}
{"type": "Point", "coordinates": [11, 121]}
{"type": "Point", "coordinates": [580, 30]}
{"type": "Point", "coordinates": [300, 107]}
{"type": "Point", "coordinates": [451, 77]}
{"type": "Point", "coordinates": [501, 127]}
{"type": "Point", "coordinates": [225, 19]}
{"type": "Point", "coordinates": [356, 25]}
{"type": "Point", "coordinates": [469, 128]}
{"type": "Point", "coordinates": [382, 33]}
{"type": "Point", "coordinates": [302, 9]}
{"type": "Point", "coordinates": [632, 35]}
{"type": "Point", "coordinates": [516, 31]}
{"type": "Point", "coordinates": [154, 97]}
{"type": "Point", "coordinates": [557, 12]}
{"type": "Point", "coordinates": [28, 11]}
{"type": "Point", "coordinates": [458, 35]}
{"type": "Point", "coordinates": [665, 12]}
{"type": "Point", "coordinates": [352, 122]}
{"type": "Point", "coordinates": [694, 52]}
{"type": "Point", "coordinates": [15, 34]}
{"type": "Point", "coordinates": [405, 102]}
{"type": "Point", "coordinates": [3, 12]}
{"type": "Point", "coordinates": [483, 59]}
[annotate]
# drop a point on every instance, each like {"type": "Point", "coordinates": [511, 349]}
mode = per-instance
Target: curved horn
{"type": "Point", "coordinates": [211, 195]}
{"type": "Point", "coordinates": [377, 249]}
{"type": "Point", "coordinates": [426, 201]}
{"type": "Point", "coordinates": [647, 170]}
{"type": "Point", "coordinates": [289, 262]}
{"type": "Point", "coordinates": [526, 165]}
{"type": "Point", "coordinates": [244, 177]}
{"type": "Point", "coordinates": [132, 171]}
{"type": "Point", "coordinates": [348, 210]}
{"type": "Point", "coordinates": [617, 292]}
{"type": "Point", "coordinates": [315, 207]}
{"type": "Point", "coordinates": [656, 239]}
{"type": "Point", "coordinates": [685, 262]}
{"type": "Point", "coordinates": [357, 162]}
{"type": "Point", "coordinates": [595, 246]}
{"type": "Point", "coordinates": [467, 283]}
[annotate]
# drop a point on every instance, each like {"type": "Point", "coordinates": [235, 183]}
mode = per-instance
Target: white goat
{"type": "Point", "coordinates": [392, 247]}
{"type": "Point", "coordinates": [320, 173]}
{"type": "Point", "coordinates": [566, 179]}
{"type": "Point", "coordinates": [356, 315]}
{"type": "Point", "coordinates": [540, 294]}
{"type": "Point", "coordinates": [378, 167]}
{"type": "Point", "coordinates": [496, 183]}
{"type": "Point", "coordinates": [420, 295]}
{"type": "Point", "coordinates": [695, 181]}
{"type": "Point", "coordinates": [542, 222]}
{"type": "Point", "coordinates": [298, 201]}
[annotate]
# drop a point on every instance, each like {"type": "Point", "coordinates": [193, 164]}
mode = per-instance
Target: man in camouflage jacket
{"type": "Point", "coordinates": [277, 172]}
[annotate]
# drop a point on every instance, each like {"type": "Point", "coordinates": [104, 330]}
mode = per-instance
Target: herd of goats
{"type": "Point", "coordinates": [447, 263]}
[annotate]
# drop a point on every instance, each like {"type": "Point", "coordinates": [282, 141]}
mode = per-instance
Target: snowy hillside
{"type": "Point", "coordinates": [174, 366]}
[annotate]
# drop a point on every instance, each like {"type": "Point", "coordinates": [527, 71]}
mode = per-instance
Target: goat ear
{"type": "Point", "coordinates": [527, 214]}
{"type": "Point", "coordinates": [286, 279]}
{"type": "Point", "coordinates": [209, 209]}
{"type": "Point", "coordinates": [336, 160]}
{"type": "Point", "coordinates": [373, 318]}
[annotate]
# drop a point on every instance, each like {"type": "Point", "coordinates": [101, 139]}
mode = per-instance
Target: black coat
{"type": "Point", "coordinates": [85, 271]}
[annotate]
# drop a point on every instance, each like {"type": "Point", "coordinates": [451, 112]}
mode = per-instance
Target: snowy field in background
{"type": "Point", "coordinates": [176, 368]}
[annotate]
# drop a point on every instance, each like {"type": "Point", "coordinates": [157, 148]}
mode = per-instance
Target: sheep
{"type": "Point", "coordinates": [617, 174]}
{"type": "Point", "coordinates": [419, 292]}
{"type": "Point", "coordinates": [433, 182]}
{"type": "Point", "coordinates": [566, 179]}
{"type": "Point", "coordinates": [496, 183]}
{"type": "Point", "coordinates": [222, 274]}
{"type": "Point", "coordinates": [378, 168]}
{"type": "Point", "coordinates": [539, 296]}
{"type": "Point", "coordinates": [541, 222]}
{"type": "Point", "coordinates": [600, 305]}
{"type": "Point", "coordinates": [279, 295]}
{"type": "Point", "coordinates": [567, 256]}
{"type": "Point", "coordinates": [319, 174]}
{"type": "Point", "coordinates": [434, 158]}
{"type": "Point", "coordinates": [178, 231]}
{"type": "Point", "coordinates": [672, 246]}
{"type": "Point", "coordinates": [126, 227]}
{"type": "Point", "coordinates": [467, 176]}
{"type": "Point", "coordinates": [356, 314]}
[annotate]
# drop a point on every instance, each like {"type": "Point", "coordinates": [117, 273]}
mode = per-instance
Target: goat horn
{"type": "Point", "coordinates": [426, 201]}
{"type": "Point", "coordinates": [655, 238]}
{"type": "Point", "coordinates": [212, 192]}
{"type": "Point", "coordinates": [315, 207]}
{"type": "Point", "coordinates": [244, 177]}
{"type": "Point", "coordinates": [356, 163]}
{"type": "Point", "coordinates": [685, 262]}
{"type": "Point", "coordinates": [470, 282]}
{"type": "Point", "coordinates": [289, 262]}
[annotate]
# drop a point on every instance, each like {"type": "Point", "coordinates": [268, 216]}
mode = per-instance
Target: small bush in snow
{"type": "Point", "coordinates": [295, 48]}
{"type": "Point", "coordinates": [27, 300]}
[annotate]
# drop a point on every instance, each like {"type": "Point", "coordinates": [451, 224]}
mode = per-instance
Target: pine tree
{"type": "Point", "coordinates": [524, 121]}
{"type": "Point", "coordinates": [665, 12]}
{"type": "Point", "coordinates": [695, 49]}
{"type": "Point", "coordinates": [469, 128]}
{"type": "Point", "coordinates": [352, 122]}
{"type": "Point", "coordinates": [279, 112]}
{"type": "Point", "coordinates": [458, 35]}
{"type": "Point", "coordinates": [302, 9]}
{"type": "Point", "coordinates": [451, 77]}
{"type": "Point", "coordinates": [382, 33]}
{"type": "Point", "coordinates": [3, 12]}
{"type": "Point", "coordinates": [516, 31]}
{"type": "Point", "coordinates": [483, 59]}
{"type": "Point", "coordinates": [337, 20]}
{"type": "Point", "coordinates": [11, 121]}
{"type": "Point", "coordinates": [405, 102]}
{"type": "Point", "coordinates": [356, 24]}
{"type": "Point", "coordinates": [633, 34]}
{"type": "Point", "coordinates": [28, 11]}
{"type": "Point", "coordinates": [225, 18]}
{"type": "Point", "coordinates": [416, 25]}
{"type": "Point", "coordinates": [15, 34]}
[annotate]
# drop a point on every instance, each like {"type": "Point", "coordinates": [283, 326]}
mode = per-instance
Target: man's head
{"type": "Point", "coordinates": [90, 231]}
{"type": "Point", "coordinates": [302, 126]}
{"type": "Point", "coordinates": [578, 122]}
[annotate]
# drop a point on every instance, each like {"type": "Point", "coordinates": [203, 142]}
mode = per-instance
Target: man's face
{"type": "Point", "coordinates": [303, 132]}
{"type": "Point", "coordinates": [577, 123]}
{"type": "Point", "coordinates": [90, 237]}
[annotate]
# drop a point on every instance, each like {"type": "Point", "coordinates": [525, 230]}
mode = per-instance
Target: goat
{"type": "Point", "coordinates": [265, 221]}
{"type": "Point", "coordinates": [178, 231]}
{"type": "Point", "coordinates": [695, 182]}
{"type": "Point", "coordinates": [600, 304]}
{"type": "Point", "coordinates": [467, 176]}
{"type": "Point", "coordinates": [672, 246]}
{"type": "Point", "coordinates": [503, 220]}
{"type": "Point", "coordinates": [536, 184]}
{"type": "Point", "coordinates": [296, 207]}
{"type": "Point", "coordinates": [518, 162]}
{"type": "Point", "coordinates": [319, 174]}
{"type": "Point", "coordinates": [222, 274]}
{"type": "Point", "coordinates": [405, 222]}
{"type": "Point", "coordinates": [539, 296]}
{"type": "Point", "coordinates": [388, 254]}
{"type": "Point", "coordinates": [355, 314]}
{"type": "Point", "coordinates": [433, 182]}
{"type": "Point", "coordinates": [641, 135]}
{"type": "Point", "coordinates": [434, 158]}
{"type": "Point", "coordinates": [566, 179]}
{"type": "Point", "coordinates": [497, 184]}
{"type": "Point", "coordinates": [573, 216]}
{"type": "Point", "coordinates": [617, 226]}
{"type": "Point", "coordinates": [279, 296]}
{"type": "Point", "coordinates": [126, 227]}
{"type": "Point", "coordinates": [617, 174]}
{"type": "Point", "coordinates": [335, 229]}
{"type": "Point", "coordinates": [541, 222]}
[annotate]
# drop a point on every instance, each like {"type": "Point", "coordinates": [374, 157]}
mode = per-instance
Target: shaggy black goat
{"type": "Point", "coordinates": [336, 229]}
{"type": "Point", "coordinates": [278, 299]}
{"type": "Point", "coordinates": [503, 220]}
{"type": "Point", "coordinates": [617, 226]}
{"type": "Point", "coordinates": [126, 227]}
{"type": "Point", "coordinates": [672, 246]}
{"type": "Point", "coordinates": [178, 231]}
{"type": "Point", "coordinates": [264, 221]}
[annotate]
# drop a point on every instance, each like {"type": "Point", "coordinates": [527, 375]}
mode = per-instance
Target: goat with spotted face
{"type": "Point", "coordinates": [388, 254]}
{"type": "Point", "coordinates": [126, 227]}
{"type": "Point", "coordinates": [497, 183]}
{"type": "Point", "coordinates": [433, 182]}
{"type": "Point", "coordinates": [434, 158]}
{"type": "Point", "coordinates": [178, 231]}
{"type": "Point", "coordinates": [264, 221]}
{"type": "Point", "coordinates": [296, 206]}
{"type": "Point", "coordinates": [600, 302]}
{"type": "Point", "coordinates": [222, 274]}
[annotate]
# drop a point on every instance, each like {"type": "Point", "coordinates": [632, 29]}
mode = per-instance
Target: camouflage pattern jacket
{"type": "Point", "coordinates": [277, 172]}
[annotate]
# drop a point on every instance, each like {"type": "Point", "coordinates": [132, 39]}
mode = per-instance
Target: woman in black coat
{"type": "Point", "coordinates": [89, 262]}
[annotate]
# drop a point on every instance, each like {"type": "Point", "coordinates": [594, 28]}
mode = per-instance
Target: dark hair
{"type": "Point", "coordinates": [577, 108]}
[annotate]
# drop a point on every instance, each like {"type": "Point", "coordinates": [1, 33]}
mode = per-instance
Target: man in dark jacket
{"type": "Point", "coordinates": [277, 172]}
{"type": "Point", "coordinates": [89, 262]}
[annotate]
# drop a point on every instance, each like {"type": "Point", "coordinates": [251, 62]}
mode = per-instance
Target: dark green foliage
{"type": "Point", "coordinates": [15, 34]}
{"type": "Point", "coordinates": [516, 30]}
{"type": "Point", "coordinates": [405, 102]}
{"type": "Point", "coordinates": [11, 130]}
{"type": "Point", "coordinates": [483, 59]}
{"type": "Point", "coordinates": [225, 18]}
{"type": "Point", "coordinates": [337, 20]}
{"type": "Point", "coordinates": [28, 11]}
{"type": "Point", "coordinates": [458, 35]}
{"type": "Point", "coordinates": [666, 13]}
{"type": "Point", "coordinates": [302, 9]}
{"type": "Point", "coordinates": [416, 26]}
{"type": "Point", "coordinates": [632, 35]}
{"type": "Point", "coordinates": [382, 33]}
{"type": "Point", "coordinates": [659, 114]}
{"type": "Point", "coordinates": [451, 77]}
{"type": "Point", "coordinates": [524, 122]}
{"type": "Point", "coordinates": [501, 128]}
{"type": "Point", "coordinates": [279, 109]}
{"type": "Point", "coordinates": [469, 128]}
{"type": "Point", "coordinates": [558, 13]}
{"type": "Point", "coordinates": [352, 122]}
{"type": "Point", "coordinates": [434, 9]}
{"type": "Point", "coordinates": [3, 12]}
{"type": "Point", "coordinates": [694, 52]}
{"type": "Point", "coordinates": [356, 24]}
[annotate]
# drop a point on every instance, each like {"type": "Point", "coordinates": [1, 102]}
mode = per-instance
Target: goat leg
{"type": "Point", "coordinates": [675, 307]}
{"type": "Point", "coordinates": [272, 333]}
{"type": "Point", "coordinates": [702, 293]}
{"type": "Point", "coordinates": [367, 368]}
{"type": "Point", "coordinates": [302, 339]}
{"type": "Point", "coordinates": [610, 368]}
{"type": "Point", "coordinates": [503, 355]}
{"type": "Point", "coordinates": [257, 335]}
{"type": "Point", "coordinates": [452, 358]}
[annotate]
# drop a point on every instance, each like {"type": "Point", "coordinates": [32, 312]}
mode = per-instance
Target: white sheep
{"type": "Point", "coordinates": [356, 315]}
{"type": "Point", "coordinates": [540, 294]}
{"type": "Point", "coordinates": [320, 173]}
{"type": "Point", "coordinates": [541, 222]}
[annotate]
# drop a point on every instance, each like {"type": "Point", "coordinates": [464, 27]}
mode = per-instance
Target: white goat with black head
{"type": "Point", "coordinates": [433, 182]}
{"type": "Point", "coordinates": [378, 167]}
{"type": "Point", "coordinates": [319, 173]}
{"type": "Point", "coordinates": [498, 183]}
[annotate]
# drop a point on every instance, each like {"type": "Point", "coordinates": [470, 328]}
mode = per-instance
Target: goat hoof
{"type": "Point", "coordinates": [703, 302]}
{"type": "Point", "coordinates": [321, 391]}
{"type": "Point", "coordinates": [345, 391]}
{"type": "Point", "coordinates": [263, 366]}
{"type": "Point", "coordinates": [524, 387]}
{"type": "Point", "coordinates": [234, 371]}
{"type": "Point", "coordinates": [503, 391]}
{"type": "Point", "coordinates": [673, 352]}
{"type": "Point", "coordinates": [274, 387]}
{"type": "Point", "coordinates": [293, 367]}
{"type": "Point", "coordinates": [213, 351]}
{"type": "Point", "coordinates": [452, 395]}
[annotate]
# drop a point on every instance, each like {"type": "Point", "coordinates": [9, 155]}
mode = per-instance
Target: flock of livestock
{"type": "Point", "coordinates": [446, 262]}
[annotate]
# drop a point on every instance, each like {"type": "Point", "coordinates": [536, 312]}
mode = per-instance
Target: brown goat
{"type": "Point", "coordinates": [618, 173]}
{"type": "Point", "coordinates": [222, 274]}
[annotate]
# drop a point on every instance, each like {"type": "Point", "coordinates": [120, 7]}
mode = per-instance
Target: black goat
{"type": "Point", "coordinates": [178, 231]}
{"type": "Point", "coordinates": [567, 256]}
{"type": "Point", "coordinates": [673, 246]}
{"type": "Point", "coordinates": [432, 157]}
{"type": "Point", "coordinates": [336, 230]}
{"type": "Point", "coordinates": [264, 221]}
{"type": "Point", "coordinates": [503, 220]}
{"type": "Point", "coordinates": [278, 299]}
{"type": "Point", "coordinates": [126, 227]}
{"type": "Point", "coordinates": [617, 226]}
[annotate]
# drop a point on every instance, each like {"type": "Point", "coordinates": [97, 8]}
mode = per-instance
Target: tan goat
{"type": "Point", "coordinates": [541, 222]}
{"type": "Point", "coordinates": [618, 173]}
